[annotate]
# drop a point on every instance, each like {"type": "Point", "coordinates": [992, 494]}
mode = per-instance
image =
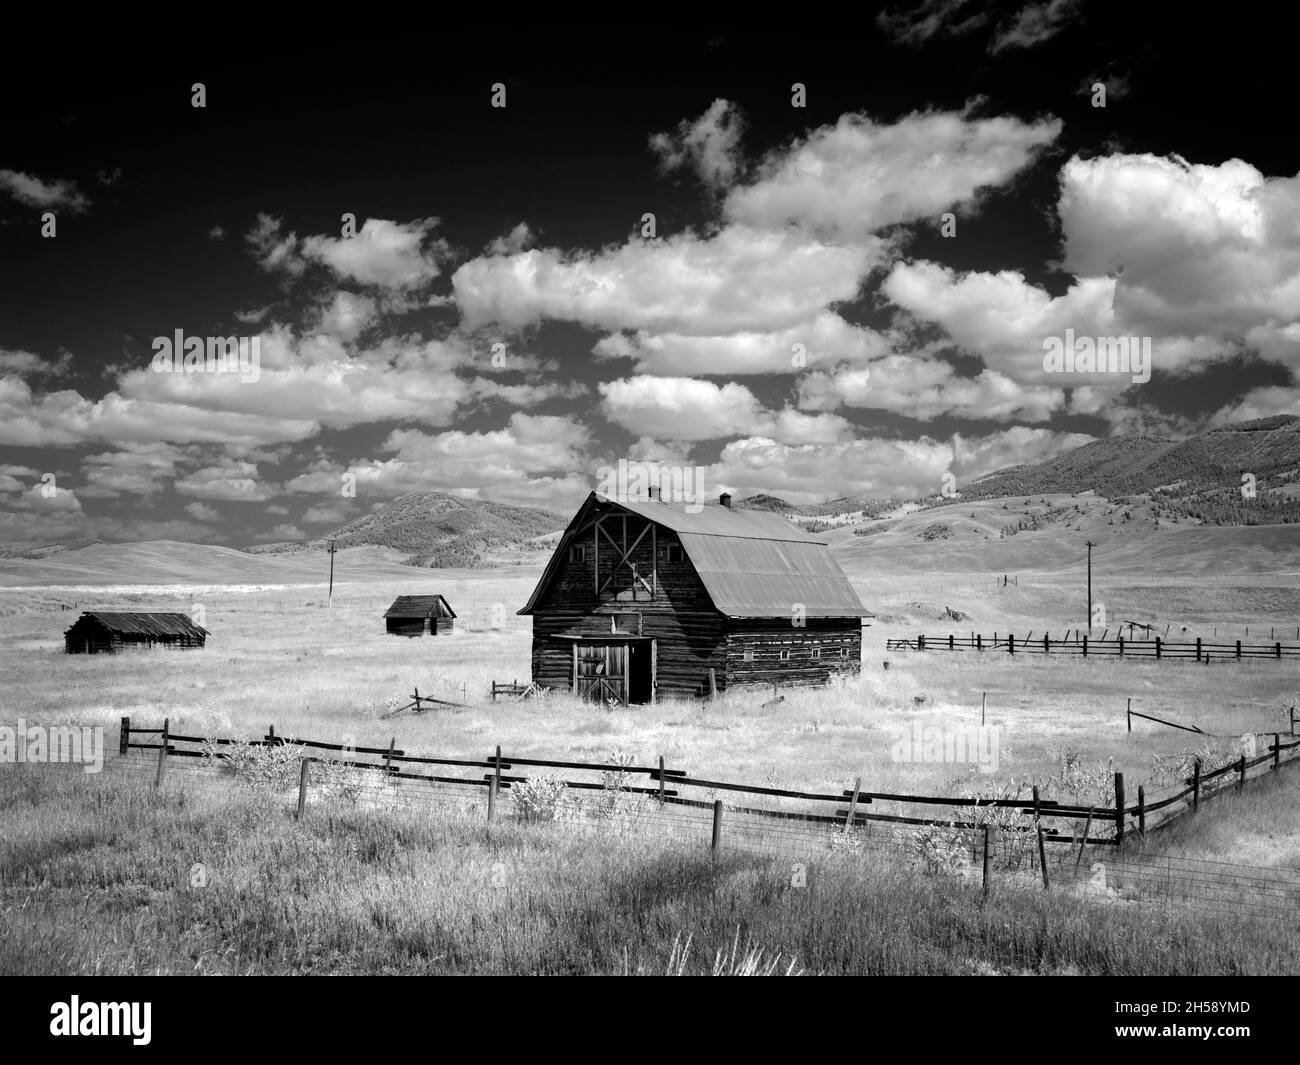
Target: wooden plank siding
{"type": "Point", "coordinates": [690, 634]}
{"type": "Point", "coordinates": [614, 561]}
{"type": "Point", "coordinates": [767, 638]}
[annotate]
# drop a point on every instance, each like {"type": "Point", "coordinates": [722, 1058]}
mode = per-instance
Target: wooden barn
{"type": "Point", "coordinates": [643, 599]}
{"type": "Point", "coordinates": [107, 632]}
{"type": "Point", "coordinates": [414, 615]}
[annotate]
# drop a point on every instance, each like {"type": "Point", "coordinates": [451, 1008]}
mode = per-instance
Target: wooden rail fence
{"type": "Point", "coordinates": [676, 787]}
{"type": "Point", "coordinates": [1156, 648]}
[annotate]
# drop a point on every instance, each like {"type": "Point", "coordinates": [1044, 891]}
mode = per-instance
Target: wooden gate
{"type": "Point", "coordinates": [600, 671]}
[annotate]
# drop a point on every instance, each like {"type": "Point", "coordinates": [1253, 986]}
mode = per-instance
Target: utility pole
{"type": "Point", "coordinates": [1091, 545]}
{"type": "Point", "coordinates": [331, 596]}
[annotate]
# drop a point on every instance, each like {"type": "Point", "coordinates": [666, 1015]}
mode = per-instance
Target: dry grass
{"type": "Point", "coordinates": [98, 877]}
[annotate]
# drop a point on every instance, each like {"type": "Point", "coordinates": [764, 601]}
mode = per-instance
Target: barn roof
{"type": "Point", "coordinates": [141, 623]}
{"type": "Point", "coordinates": [754, 564]}
{"type": "Point", "coordinates": [419, 606]}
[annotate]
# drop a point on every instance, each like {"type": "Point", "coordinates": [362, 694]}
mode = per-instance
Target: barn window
{"type": "Point", "coordinates": [816, 653]}
{"type": "Point", "coordinates": [628, 624]}
{"type": "Point", "coordinates": [844, 652]}
{"type": "Point", "coordinates": [749, 654]}
{"type": "Point", "coordinates": [785, 656]}
{"type": "Point", "coordinates": [675, 553]}
{"type": "Point", "coordinates": [578, 553]}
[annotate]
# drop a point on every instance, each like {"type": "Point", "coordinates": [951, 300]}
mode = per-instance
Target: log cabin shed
{"type": "Point", "coordinates": [414, 615]}
{"type": "Point", "coordinates": [643, 599]}
{"type": "Point", "coordinates": [109, 631]}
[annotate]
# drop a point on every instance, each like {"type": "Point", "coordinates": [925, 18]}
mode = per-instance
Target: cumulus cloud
{"type": "Point", "coordinates": [858, 176]}
{"type": "Point", "coordinates": [684, 408]}
{"type": "Point", "coordinates": [383, 254]}
{"type": "Point", "coordinates": [925, 388]}
{"type": "Point", "coordinates": [231, 480]}
{"type": "Point", "coordinates": [202, 512]}
{"type": "Point", "coordinates": [31, 191]}
{"type": "Point", "coordinates": [709, 145]}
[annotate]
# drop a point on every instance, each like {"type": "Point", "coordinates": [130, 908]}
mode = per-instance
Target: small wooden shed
{"type": "Point", "coordinates": [414, 615]}
{"type": "Point", "coordinates": [110, 631]}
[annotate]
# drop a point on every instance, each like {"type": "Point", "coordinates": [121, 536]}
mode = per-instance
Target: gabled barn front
{"type": "Point", "coordinates": [110, 631]}
{"type": "Point", "coordinates": [643, 599]}
{"type": "Point", "coordinates": [414, 615]}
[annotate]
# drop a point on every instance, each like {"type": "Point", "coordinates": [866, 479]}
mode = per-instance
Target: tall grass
{"type": "Point", "coordinates": [106, 876]}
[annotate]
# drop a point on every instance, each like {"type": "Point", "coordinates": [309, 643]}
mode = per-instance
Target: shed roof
{"type": "Point", "coordinates": [419, 606]}
{"type": "Point", "coordinates": [143, 623]}
{"type": "Point", "coordinates": [753, 564]}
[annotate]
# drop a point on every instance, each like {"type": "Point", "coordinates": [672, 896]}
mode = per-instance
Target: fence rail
{"type": "Point", "coordinates": [1082, 644]}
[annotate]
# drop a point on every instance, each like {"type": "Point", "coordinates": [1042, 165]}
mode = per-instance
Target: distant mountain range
{"type": "Point", "coordinates": [434, 529]}
{"type": "Point", "coordinates": [1200, 477]}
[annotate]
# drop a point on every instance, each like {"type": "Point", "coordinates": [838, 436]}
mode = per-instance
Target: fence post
{"type": "Point", "coordinates": [1277, 750]}
{"type": "Point", "coordinates": [717, 823]}
{"type": "Point", "coordinates": [979, 642]}
{"type": "Point", "coordinates": [1157, 647]}
{"type": "Point", "coordinates": [661, 780]}
{"type": "Point", "coordinates": [162, 756]}
{"type": "Point", "coordinates": [1198, 648]}
{"type": "Point", "coordinates": [1142, 811]}
{"type": "Point", "coordinates": [984, 702]}
{"type": "Point", "coordinates": [1042, 857]}
{"type": "Point", "coordinates": [920, 643]}
{"type": "Point", "coordinates": [1129, 713]}
{"type": "Point", "coordinates": [986, 859]}
{"type": "Point", "coordinates": [1241, 772]}
{"type": "Point", "coordinates": [495, 786]}
{"type": "Point", "coordinates": [1121, 647]}
{"type": "Point", "coordinates": [1084, 842]}
{"type": "Point", "coordinates": [302, 787]}
{"type": "Point", "coordinates": [1035, 803]}
{"type": "Point", "coordinates": [1196, 785]}
{"type": "Point", "coordinates": [1238, 648]}
{"type": "Point", "coordinates": [713, 683]}
{"type": "Point", "coordinates": [951, 641]}
{"type": "Point", "coordinates": [270, 736]}
{"type": "Point", "coordinates": [1277, 648]}
{"type": "Point", "coordinates": [388, 758]}
{"type": "Point", "coordinates": [1085, 647]}
{"type": "Point", "coordinates": [853, 805]}
{"type": "Point", "coordinates": [1119, 809]}
{"type": "Point", "coordinates": [124, 737]}
{"type": "Point", "coordinates": [1047, 647]}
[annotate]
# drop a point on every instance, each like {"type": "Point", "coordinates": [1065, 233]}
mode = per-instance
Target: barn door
{"type": "Point", "coordinates": [601, 672]}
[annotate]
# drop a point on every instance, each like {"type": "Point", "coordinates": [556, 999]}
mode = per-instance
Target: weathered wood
{"type": "Point", "coordinates": [717, 824]}
{"type": "Point", "coordinates": [302, 787]}
{"type": "Point", "coordinates": [1119, 809]}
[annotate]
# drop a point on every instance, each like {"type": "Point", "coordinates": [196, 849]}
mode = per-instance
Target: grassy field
{"type": "Point", "coordinates": [369, 892]}
{"type": "Point", "coordinates": [99, 878]}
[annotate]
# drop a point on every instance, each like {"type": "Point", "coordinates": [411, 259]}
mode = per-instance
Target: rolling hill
{"type": "Point", "coordinates": [1199, 477]}
{"type": "Point", "coordinates": [435, 529]}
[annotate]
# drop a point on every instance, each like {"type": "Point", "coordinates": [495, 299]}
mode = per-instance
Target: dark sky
{"type": "Point", "coordinates": [1171, 215]}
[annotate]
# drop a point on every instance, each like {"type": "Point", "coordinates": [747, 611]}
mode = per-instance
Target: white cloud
{"type": "Point", "coordinates": [32, 191]}
{"type": "Point", "coordinates": [709, 145]}
{"type": "Point", "coordinates": [849, 180]}
{"type": "Point", "coordinates": [383, 253]}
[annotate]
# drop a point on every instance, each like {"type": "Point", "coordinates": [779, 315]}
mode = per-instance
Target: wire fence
{"type": "Point", "coordinates": [1012, 842]}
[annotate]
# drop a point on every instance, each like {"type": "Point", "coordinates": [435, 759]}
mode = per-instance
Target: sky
{"type": "Point", "coordinates": [811, 260]}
